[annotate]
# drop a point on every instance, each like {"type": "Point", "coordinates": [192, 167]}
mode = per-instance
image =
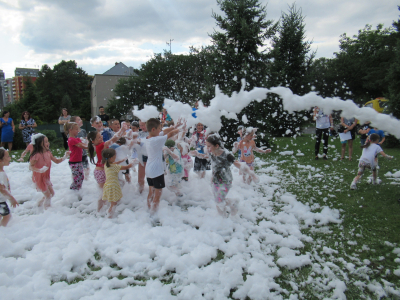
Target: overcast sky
{"type": "Point", "coordinates": [98, 33]}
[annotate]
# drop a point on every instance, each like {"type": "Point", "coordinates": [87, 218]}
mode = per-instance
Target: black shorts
{"type": "Point", "coordinates": [157, 182]}
{"type": "Point", "coordinates": [4, 210]}
{"type": "Point", "coordinates": [144, 157]}
{"type": "Point", "coordinates": [127, 170]}
{"type": "Point", "coordinates": [200, 164]}
{"type": "Point", "coordinates": [85, 162]}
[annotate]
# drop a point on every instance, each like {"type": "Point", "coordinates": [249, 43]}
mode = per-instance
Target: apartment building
{"type": "Point", "coordinates": [104, 84]}
{"type": "Point", "coordinates": [19, 79]}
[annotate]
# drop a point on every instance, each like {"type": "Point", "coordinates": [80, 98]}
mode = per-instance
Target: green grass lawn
{"type": "Point", "coordinates": [371, 224]}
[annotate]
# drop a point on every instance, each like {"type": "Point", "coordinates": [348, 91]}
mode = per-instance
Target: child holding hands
{"type": "Point", "coordinates": [5, 191]}
{"type": "Point", "coordinates": [40, 164]}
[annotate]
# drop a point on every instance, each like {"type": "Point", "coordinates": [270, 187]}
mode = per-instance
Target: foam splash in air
{"type": "Point", "coordinates": [223, 105]}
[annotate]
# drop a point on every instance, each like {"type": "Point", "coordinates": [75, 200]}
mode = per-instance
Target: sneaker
{"type": "Point", "coordinates": [325, 158]}
{"type": "Point", "coordinates": [353, 186]}
{"type": "Point", "coordinates": [316, 158]}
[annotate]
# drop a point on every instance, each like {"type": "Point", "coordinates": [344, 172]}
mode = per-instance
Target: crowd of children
{"type": "Point", "coordinates": [163, 155]}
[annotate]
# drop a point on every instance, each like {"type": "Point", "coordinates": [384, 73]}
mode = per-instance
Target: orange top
{"type": "Point", "coordinates": [246, 149]}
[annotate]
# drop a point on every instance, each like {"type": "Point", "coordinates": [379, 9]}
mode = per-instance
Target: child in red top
{"type": "Point", "coordinates": [75, 160]}
{"type": "Point", "coordinates": [247, 146]}
{"type": "Point", "coordinates": [96, 144]}
{"type": "Point", "coordinates": [40, 164]}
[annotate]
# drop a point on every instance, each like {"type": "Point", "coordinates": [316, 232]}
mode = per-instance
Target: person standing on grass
{"type": "Point", "coordinates": [324, 123]}
{"type": "Point", "coordinates": [378, 132]}
{"type": "Point", "coordinates": [367, 160]}
{"type": "Point", "coordinates": [62, 120]}
{"type": "Point", "coordinates": [363, 131]}
{"type": "Point", "coordinates": [348, 125]}
{"type": "Point", "coordinates": [102, 115]}
{"type": "Point", "coordinates": [7, 130]}
{"type": "Point", "coordinates": [155, 165]}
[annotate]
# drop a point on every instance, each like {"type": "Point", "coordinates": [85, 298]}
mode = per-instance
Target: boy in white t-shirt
{"type": "Point", "coordinates": [367, 160]}
{"type": "Point", "coordinates": [155, 165]}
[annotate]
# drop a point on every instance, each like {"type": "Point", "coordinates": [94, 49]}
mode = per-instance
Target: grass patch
{"type": "Point", "coordinates": [370, 214]}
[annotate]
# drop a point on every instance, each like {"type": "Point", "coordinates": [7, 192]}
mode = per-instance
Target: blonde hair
{"type": "Point", "coordinates": [69, 125]}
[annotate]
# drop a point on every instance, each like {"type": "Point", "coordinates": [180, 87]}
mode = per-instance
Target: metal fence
{"type": "Point", "coordinates": [56, 127]}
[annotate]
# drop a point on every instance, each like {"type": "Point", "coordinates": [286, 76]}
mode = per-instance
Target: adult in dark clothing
{"type": "Point", "coordinates": [102, 115]}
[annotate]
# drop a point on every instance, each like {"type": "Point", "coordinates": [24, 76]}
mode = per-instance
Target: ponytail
{"type": "Point", "coordinates": [91, 137]}
{"type": "Point", "coordinates": [373, 138]}
{"type": "Point", "coordinates": [107, 154]}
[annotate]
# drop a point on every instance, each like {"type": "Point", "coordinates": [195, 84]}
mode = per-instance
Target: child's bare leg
{"type": "Point", "coordinates": [100, 202]}
{"type": "Point", "coordinates": [87, 172]}
{"type": "Point", "coordinates": [128, 178]}
{"type": "Point", "coordinates": [343, 151]}
{"type": "Point", "coordinates": [111, 210]}
{"type": "Point", "coordinates": [47, 196]}
{"type": "Point", "coordinates": [350, 149]}
{"type": "Point", "coordinates": [374, 176]}
{"type": "Point", "coordinates": [150, 197]}
{"type": "Point", "coordinates": [156, 199]}
{"type": "Point", "coordinates": [202, 174]}
{"type": "Point", "coordinates": [4, 221]}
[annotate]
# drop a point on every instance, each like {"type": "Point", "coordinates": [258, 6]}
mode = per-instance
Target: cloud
{"type": "Point", "coordinates": [100, 32]}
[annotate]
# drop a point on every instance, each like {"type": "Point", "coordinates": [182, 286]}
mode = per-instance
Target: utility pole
{"type": "Point", "coordinates": [170, 45]}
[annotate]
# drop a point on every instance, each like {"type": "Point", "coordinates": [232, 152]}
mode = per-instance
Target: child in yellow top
{"type": "Point", "coordinates": [112, 190]}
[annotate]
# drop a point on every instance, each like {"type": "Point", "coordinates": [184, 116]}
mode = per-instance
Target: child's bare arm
{"type": "Point", "coordinates": [6, 193]}
{"type": "Point", "coordinates": [385, 155]}
{"type": "Point", "coordinates": [127, 166]}
{"type": "Point", "coordinates": [199, 155]}
{"type": "Point", "coordinates": [172, 133]}
{"type": "Point", "coordinates": [258, 150]}
{"type": "Point", "coordinates": [59, 160]}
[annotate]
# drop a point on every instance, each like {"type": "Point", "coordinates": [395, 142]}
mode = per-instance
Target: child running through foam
{"type": "Point", "coordinates": [5, 190]}
{"type": "Point", "coordinates": [95, 147]}
{"type": "Point", "coordinates": [367, 160]}
{"type": "Point", "coordinates": [112, 190]}
{"type": "Point", "coordinates": [221, 161]}
{"type": "Point", "coordinates": [246, 147]}
{"type": "Point", "coordinates": [40, 164]}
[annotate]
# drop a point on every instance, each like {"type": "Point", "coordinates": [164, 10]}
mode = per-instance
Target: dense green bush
{"type": "Point", "coordinates": [55, 142]}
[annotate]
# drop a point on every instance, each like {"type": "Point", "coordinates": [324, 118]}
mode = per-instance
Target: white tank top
{"type": "Point", "coordinates": [322, 120]}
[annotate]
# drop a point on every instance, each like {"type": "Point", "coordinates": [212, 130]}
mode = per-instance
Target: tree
{"type": "Point", "coordinates": [65, 79]}
{"type": "Point", "coordinates": [245, 32]}
{"type": "Point", "coordinates": [290, 67]}
{"type": "Point", "coordinates": [239, 55]}
{"type": "Point", "coordinates": [363, 61]}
